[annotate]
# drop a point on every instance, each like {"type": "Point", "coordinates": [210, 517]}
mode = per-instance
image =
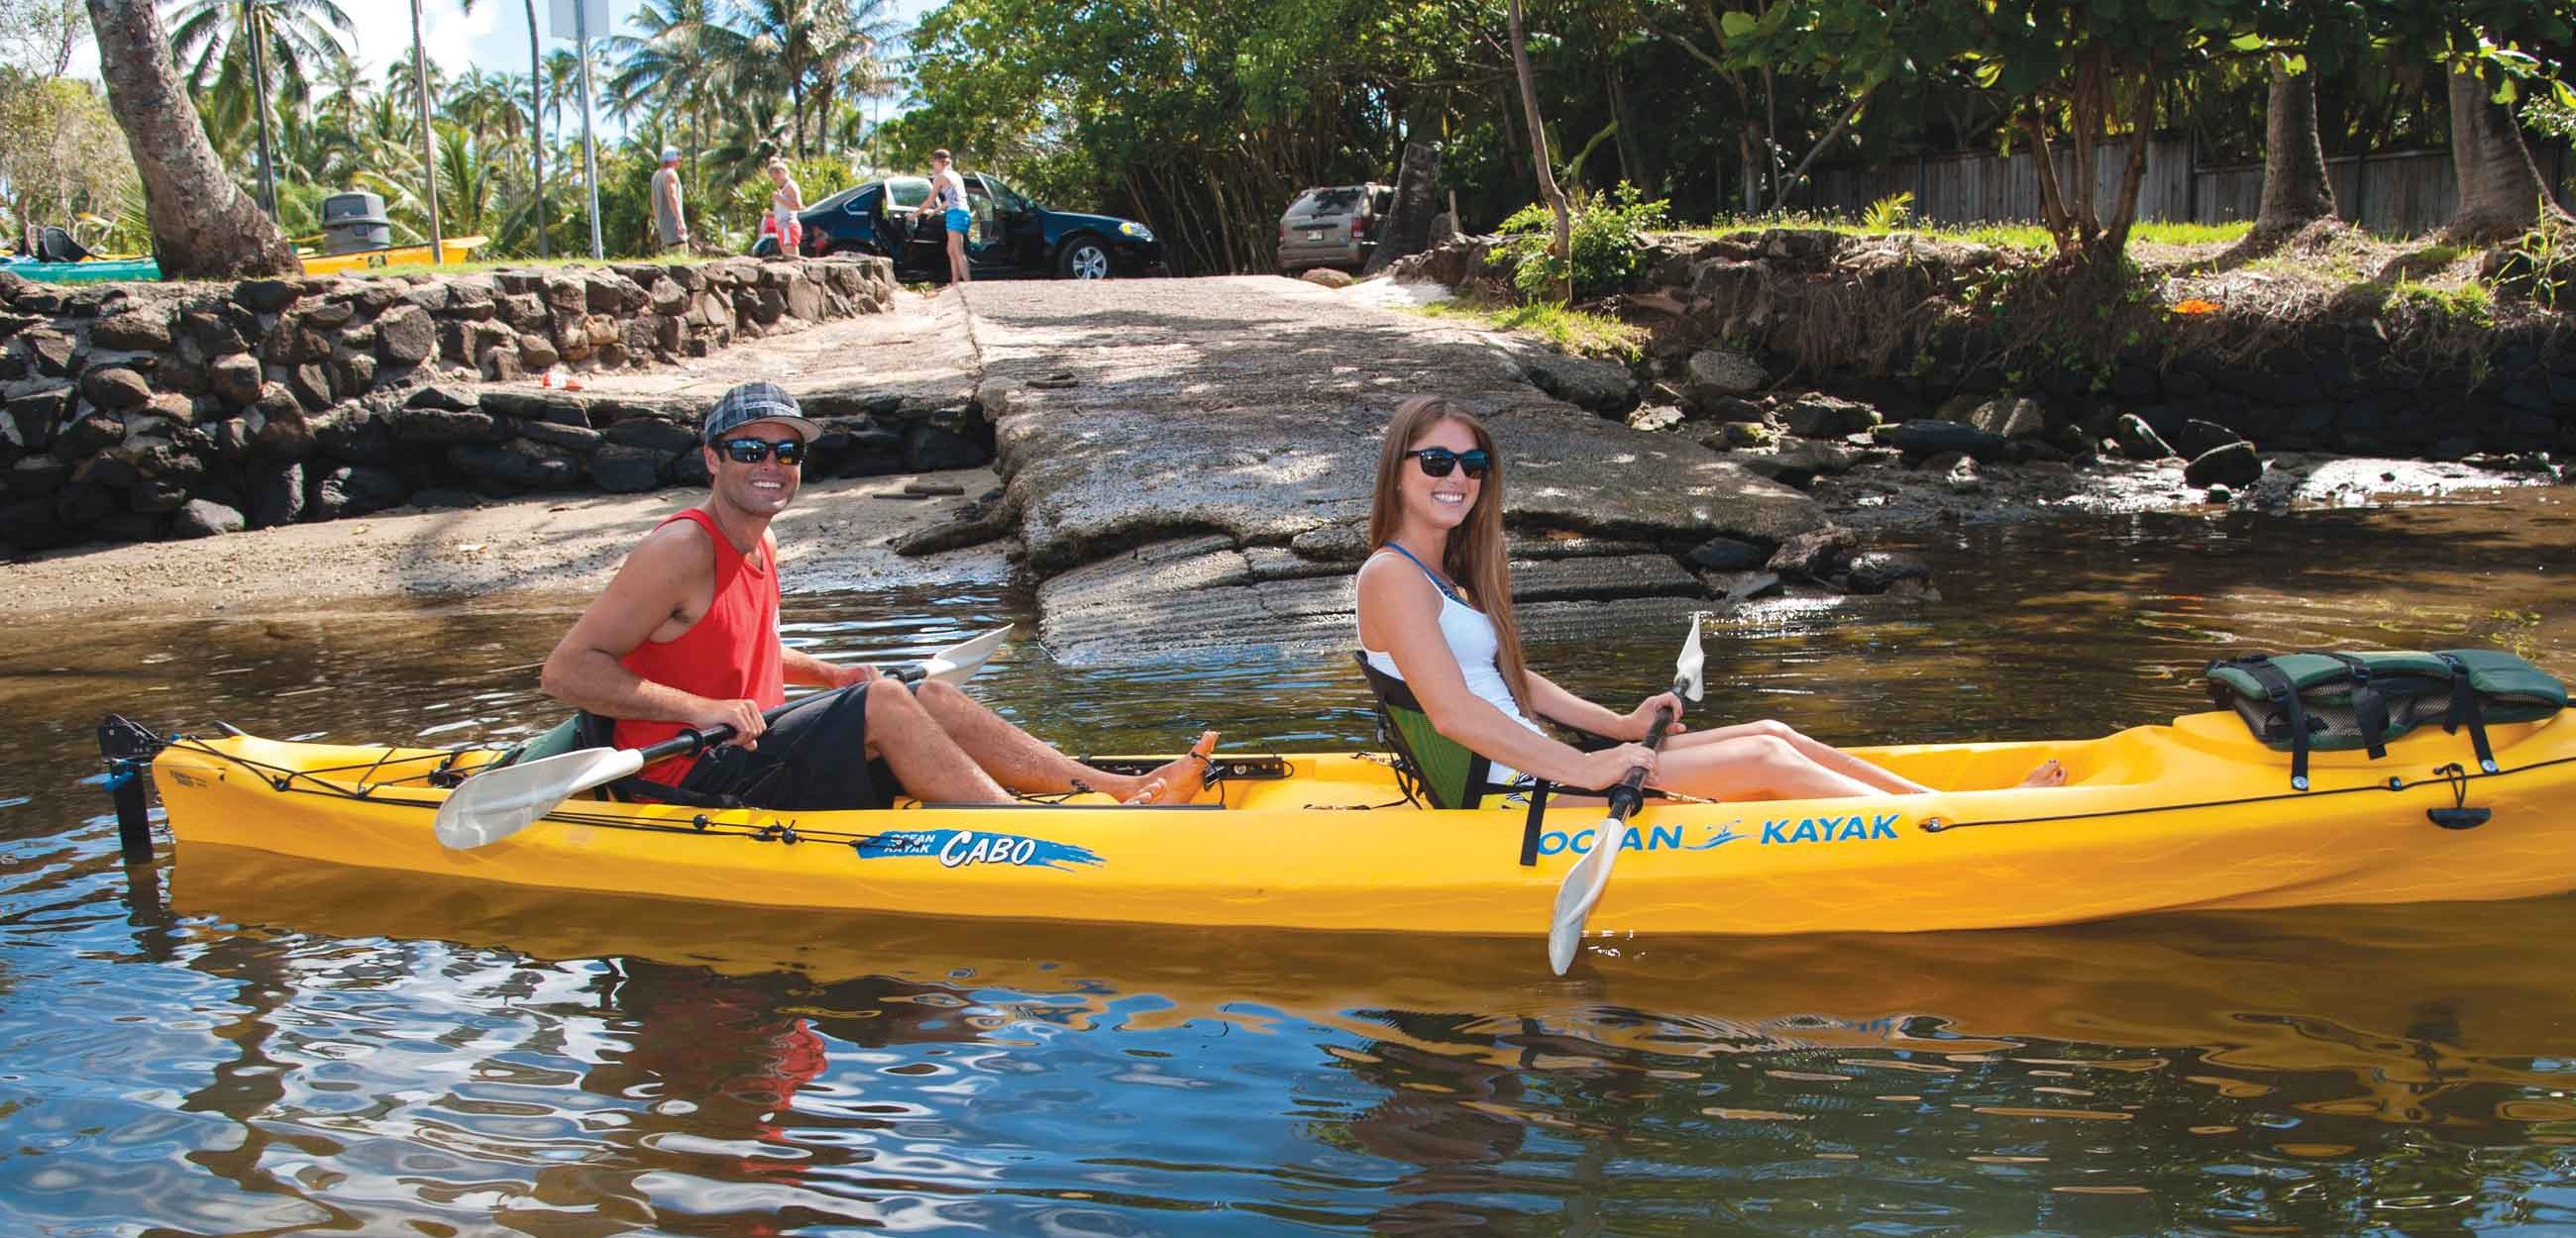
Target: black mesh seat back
{"type": "Point", "coordinates": [56, 245]}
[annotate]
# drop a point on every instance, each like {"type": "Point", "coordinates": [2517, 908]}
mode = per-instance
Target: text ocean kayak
{"type": "Point", "coordinates": [2192, 816]}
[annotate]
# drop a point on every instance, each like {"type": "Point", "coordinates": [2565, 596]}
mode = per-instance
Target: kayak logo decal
{"type": "Point", "coordinates": [1854, 828]}
{"type": "Point", "coordinates": [966, 848]}
{"type": "Point", "coordinates": [1657, 838]}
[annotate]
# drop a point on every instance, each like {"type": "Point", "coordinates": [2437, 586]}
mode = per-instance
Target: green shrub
{"type": "Point", "coordinates": [1888, 213]}
{"type": "Point", "coordinates": [1609, 235]}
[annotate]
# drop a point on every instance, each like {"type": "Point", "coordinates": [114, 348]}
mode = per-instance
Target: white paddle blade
{"type": "Point", "coordinates": [1687, 667]}
{"type": "Point", "coordinates": [489, 807]}
{"type": "Point", "coordinates": [1582, 888]}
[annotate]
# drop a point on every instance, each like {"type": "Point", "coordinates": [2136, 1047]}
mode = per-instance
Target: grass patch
{"type": "Point", "coordinates": [2468, 303]}
{"type": "Point", "coordinates": [1578, 332]}
{"type": "Point", "coordinates": [481, 265]}
{"type": "Point", "coordinates": [2023, 236]}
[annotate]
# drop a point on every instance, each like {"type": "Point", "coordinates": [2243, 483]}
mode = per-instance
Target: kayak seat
{"type": "Point", "coordinates": [1431, 766]}
{"type": "Point", "coordinates": [56, 245]}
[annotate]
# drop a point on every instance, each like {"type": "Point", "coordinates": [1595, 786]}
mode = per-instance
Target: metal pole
{"type": "Point", "coordinates": [589, 147]}
{"type": "Point", "coordinates": [259, 87]}
{"type": "Point", "coordinates": [537, 122]}
{"type": "Point", "coordinates": [428, 157]}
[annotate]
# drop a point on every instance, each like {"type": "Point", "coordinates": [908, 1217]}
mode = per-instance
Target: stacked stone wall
{"type": "Point", "coordinates": [137, 411]}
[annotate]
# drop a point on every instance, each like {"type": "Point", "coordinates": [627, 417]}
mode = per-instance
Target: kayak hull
{"type": "Point", "coordinates": [88, 271]}
{"type": "Point", "coordinates": [456, 249]}
{"type": "Point", "coordinates": [2190, 816]}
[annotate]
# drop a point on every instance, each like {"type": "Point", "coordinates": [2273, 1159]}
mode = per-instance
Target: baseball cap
{"type": "Point", "coordinates": [752, 402]}
{"type": "Point", "coordinates": [670, 153]}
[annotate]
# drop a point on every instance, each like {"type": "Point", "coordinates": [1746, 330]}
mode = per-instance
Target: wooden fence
{"type": "Point", "coordinates": [2401, 193]}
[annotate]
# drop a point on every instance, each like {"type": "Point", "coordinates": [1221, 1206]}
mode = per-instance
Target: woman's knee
{"type": "Point", "coordinates": [1773, 728]}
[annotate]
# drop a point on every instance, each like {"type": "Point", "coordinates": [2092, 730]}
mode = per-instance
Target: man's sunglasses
{"type": "Point", "coordinates": [791, 452]}
{"type": "Point", "coordinates": [1437, 461]}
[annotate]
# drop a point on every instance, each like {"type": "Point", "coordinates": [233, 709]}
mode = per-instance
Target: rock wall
{"type": "Point", "coordinates": [1761, 338]}
{"type": "Point", "coordinates": [137, 411]}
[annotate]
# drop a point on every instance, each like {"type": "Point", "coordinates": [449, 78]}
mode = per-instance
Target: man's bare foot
{"type": "Point", "coordinates": [2049, 774]}
{"type": "Point", "coordinates": [1180, 781]}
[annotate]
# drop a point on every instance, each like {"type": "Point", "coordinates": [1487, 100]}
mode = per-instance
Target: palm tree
{"type": "Point", "coordinates": [788, 45]}
{"type": "Point", "coordinates": [202, 224]}
{"type": "Point", "coordinates": [345, 82]}
{"type": "Point", "coordinates": [211, 39]}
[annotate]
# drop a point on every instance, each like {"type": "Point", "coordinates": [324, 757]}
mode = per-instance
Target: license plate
{"type": "Point", "coordinates": [1314, 236]}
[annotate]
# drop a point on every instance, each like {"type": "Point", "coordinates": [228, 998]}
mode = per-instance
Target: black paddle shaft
{"type": "Point", "coordinates": [1630, 794]}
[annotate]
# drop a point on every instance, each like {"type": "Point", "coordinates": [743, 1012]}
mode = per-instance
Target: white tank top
{"type": "Point", "coordinates": [1469, 633]}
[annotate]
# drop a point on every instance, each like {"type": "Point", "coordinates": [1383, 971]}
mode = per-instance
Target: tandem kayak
{"type": "Point", "coordinates": [2196, 815]}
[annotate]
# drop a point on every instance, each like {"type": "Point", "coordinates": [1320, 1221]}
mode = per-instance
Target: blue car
{"type": "Point", "coordinates": [1011, 237]}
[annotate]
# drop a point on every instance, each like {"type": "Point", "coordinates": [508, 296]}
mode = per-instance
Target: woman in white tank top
{"type": "Point", "coordinates": [1435, 611]}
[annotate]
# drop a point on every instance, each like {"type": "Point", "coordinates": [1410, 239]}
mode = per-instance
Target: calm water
{"type": "Point", "coordinates": [226, 1043]}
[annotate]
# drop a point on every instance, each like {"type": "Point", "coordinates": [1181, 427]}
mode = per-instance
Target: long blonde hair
{"type": "Point", "coordinates": [1474, 558]}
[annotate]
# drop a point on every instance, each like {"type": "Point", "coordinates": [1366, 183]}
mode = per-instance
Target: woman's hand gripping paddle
{"type": "Point", "coordinates": [1591, 874]}
{"type": "Point", "coordinates": [489, 807]}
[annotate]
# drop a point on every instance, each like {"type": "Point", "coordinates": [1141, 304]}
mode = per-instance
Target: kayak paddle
{"type": "Point", "coordinates": [489, 807]}
{"type": "Point", "coordinates": [1591, 874]}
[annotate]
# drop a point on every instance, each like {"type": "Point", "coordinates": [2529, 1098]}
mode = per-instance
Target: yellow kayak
{"type": "Point", "coordinates": [2196, 815]}
{"type": "Point", "coordinates": [455, 249]}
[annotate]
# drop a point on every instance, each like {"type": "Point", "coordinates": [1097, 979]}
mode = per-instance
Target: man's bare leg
{"type": "Point", "coordinates": [929, 764]}
{"type": "Point", "coordinates": [1024, 763]}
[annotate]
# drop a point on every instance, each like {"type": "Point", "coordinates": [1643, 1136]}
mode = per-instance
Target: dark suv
{"type": "Point", "coordinates": [1011, 237]}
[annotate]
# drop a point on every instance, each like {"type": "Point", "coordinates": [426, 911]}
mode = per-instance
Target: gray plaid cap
{"type": "Point", "coordinates": [752, 402]}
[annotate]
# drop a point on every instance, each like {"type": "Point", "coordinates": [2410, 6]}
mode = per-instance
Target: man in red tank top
{"type": "Point", "coordinates": [686, 636]}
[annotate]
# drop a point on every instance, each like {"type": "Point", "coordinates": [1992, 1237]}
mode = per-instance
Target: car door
{"type": "Point", "coordinates": [918, 245]}
{"type": "Point", "coordinates": [1018, 235]}
{"type": "Point", "coordinates": [990, 249]}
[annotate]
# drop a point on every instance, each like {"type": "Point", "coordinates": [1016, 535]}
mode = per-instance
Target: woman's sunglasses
{"type": "Point", "coordinates": [790, 452]}
{"type": "Point", "coordinates": [1437, 461]}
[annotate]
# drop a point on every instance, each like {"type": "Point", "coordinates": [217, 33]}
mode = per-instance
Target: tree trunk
{"type": "Point", "coordinates": [2295, 189]}
{"type": "Point", "coordinates": [1563, 249]}
{"type": "Point", "coordinates": [2500, 189]}
{"type": "Point", "coordinates": [428, 143]}
{"type": "Point", "coordinates": [202, 225]}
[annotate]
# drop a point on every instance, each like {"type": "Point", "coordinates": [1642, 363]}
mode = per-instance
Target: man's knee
{"type": "Point", "coordinates": [939, 693]}
{"type": "Point", "coordinates": [890, 696]}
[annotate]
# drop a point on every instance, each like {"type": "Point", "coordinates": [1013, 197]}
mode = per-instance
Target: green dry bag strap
{"type": "Point", "coordinates": [2464, 711]}
{"type": "Point", "coordinates": [2369, 706]}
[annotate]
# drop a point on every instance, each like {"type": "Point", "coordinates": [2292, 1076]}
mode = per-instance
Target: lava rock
{"type": "Point", "coordinates": [2234, 464]}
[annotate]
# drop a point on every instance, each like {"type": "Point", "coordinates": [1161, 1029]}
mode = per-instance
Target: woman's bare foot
{"type": "Point", "coordinates": [2049, 774]}
{"type": "Point", "coordinates": [1145, 792]}
{"type": "Point", "coordinates": [1180, 781]}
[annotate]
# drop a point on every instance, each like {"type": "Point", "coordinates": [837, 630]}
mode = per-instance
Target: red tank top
{"type": "Point", "coordinates": [730, 653]}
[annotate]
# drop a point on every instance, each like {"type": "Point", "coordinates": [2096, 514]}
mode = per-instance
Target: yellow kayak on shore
{"type": "Point", "coordinates": [454, 249]}
{"type": "Point", "coordinates": [2196, 815]}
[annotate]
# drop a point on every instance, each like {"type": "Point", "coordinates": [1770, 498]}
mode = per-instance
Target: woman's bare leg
{"type": "Point", "coordinates": [1822, 754]}
{"type": "Point", "coordinates": [1755, 767]}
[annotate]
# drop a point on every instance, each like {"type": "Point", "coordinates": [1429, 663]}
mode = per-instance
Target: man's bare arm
{"type": "Point", "coordinates": [652, 589]}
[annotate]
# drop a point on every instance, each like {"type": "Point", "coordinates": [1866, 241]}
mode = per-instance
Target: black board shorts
{"type": "Point", "coordinates": [813, 758]}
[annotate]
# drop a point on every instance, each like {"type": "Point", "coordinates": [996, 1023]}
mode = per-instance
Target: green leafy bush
{"type": "Point", "coordinates": [1889, 213]}
{"type": "Point", "coordinates": [1609, 235]}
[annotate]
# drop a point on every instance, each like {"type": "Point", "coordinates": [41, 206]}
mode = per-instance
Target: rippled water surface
{"type": "Point", "coordinates": [230, 1043]}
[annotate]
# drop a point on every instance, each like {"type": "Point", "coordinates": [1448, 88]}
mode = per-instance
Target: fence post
{"type": "Point", "coordinates": [2361, 188]}
{"type": "Point", "coordinates": [2191, 178]}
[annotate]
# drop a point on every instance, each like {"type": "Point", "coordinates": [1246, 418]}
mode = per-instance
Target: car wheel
{"type": "Point", "coordinates": [1083, 258]}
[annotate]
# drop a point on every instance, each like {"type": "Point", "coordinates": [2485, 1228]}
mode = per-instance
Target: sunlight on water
{"type": "Point", "coordinates": [229, 1042]}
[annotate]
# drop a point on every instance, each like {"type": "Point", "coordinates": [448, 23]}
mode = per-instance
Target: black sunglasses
{"type": "Point", "coordinates": [790, 452]}
{"type": "Point", "coordinates": [1437, 461]}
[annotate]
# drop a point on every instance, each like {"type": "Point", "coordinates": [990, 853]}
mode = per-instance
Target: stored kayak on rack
{"type": "Point", "coordinates": [2196, 815]}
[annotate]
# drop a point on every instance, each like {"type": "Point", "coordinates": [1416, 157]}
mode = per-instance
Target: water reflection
{"type": "Point", "coordinates": [282, 1047]}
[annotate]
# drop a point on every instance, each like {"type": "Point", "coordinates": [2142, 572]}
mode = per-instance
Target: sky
{"type": "Point", "coordinates": [494, 36]}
